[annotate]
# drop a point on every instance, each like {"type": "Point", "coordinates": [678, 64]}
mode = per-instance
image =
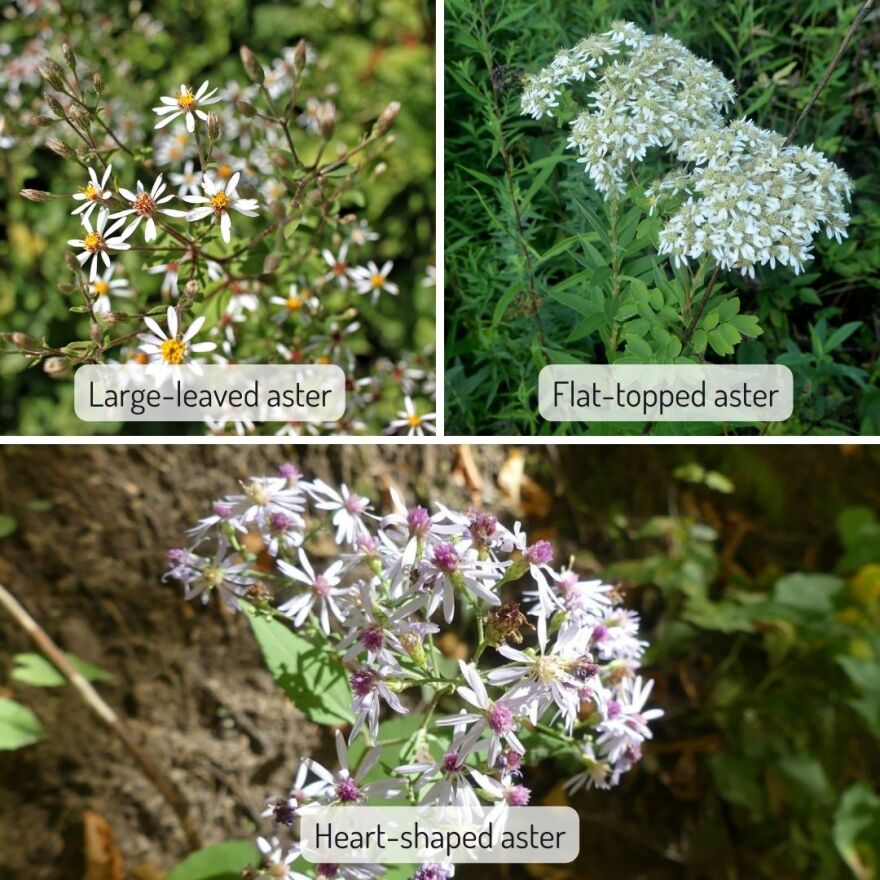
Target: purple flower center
{"type": "Point", "coordinates": [221, 509]}
{"type": "Point", "coordinates": [431, 872]}
{"type": "Point", "coordinates": [278, 522]}
{"type": "Point", "coordinates": [613, 709]}
{"type": "Point", "coordinates": [540, 553]}
{"type": "Point", "coordinates": [518, 796]}
{"type": "Point", "coordinates": [283, 813]}
{"type": "Point", "coordinates": [372, 638]}
{"type": "Point", "coordinates": [500, 718]}
{"type": "Point", "coordinates": [321, 586]}
{"type": "Point", "coordinates": [451, 762]}
{"type": "Point", "coordinates": [509, 760]}
{"type": "Point", "coordinates": [482, 527]}
{"type": "Point", "coordinates": [289, 471]}
{"type": "Point", "coordinates": [353, 505]}
{"type": "Point", "coordinates": [600, 633]}
{"type": "Point", "coordinates": [363, 681]}
{"type": "Point", "coordinates": [176, 555]}
{"type": "Point", "coordinates": [445, 558]}
{"type": "Point", "coordinates": [368, 545]}
{"type": "Point", "coordinates": [348, 791]}
{"type": "Point", "coordinates": [418, 520]}
{"type": "Point", "coordinates": [327, 872]}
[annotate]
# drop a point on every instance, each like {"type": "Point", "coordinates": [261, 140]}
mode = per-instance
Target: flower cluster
{"type": "Point", "coordinates": [744, 196]}
{"type": "Point", "coordinates": [237, 197]}
{"type": "Point", "coordinates": [393, 581]}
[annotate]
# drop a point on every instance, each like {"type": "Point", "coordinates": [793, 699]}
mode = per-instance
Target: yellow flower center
{"type": "Point", "coordinates": [377, 281]}
{"type": "Point", "coordinates": [182, 139]}
{"type": "Point", "coordinates": [225, 171]}
{"type": "Point", "coordinates": [546, 670]}
{"type": "Point", "coordinates": [101, 288]}
{"type": "Point", "coordinates": [414, 421]}
{"type": "Point", "coordinates": [324, 359]}
{"type": "Point", "coordinates": [220, 202]}
{"type": "Point", "coordinates": [91, 192]}
{"type": "Point", "coordinates": [140, 358]}
{"type": "Point", "coordinates": [144, 204]}
{"type": "Point", "coordinates": [172, 351]}
{"type": "Point", "coordinates": [186, 101]}
{"type": "Point", "coordinates": [294, 303]}
{"type": "Point", "coordinates": [93, 242]}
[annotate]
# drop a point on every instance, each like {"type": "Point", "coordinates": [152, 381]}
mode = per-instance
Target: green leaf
{"type": "Point", "coordinates": [225, 861]}
{"type": "Point", "coordinates": [311, 675]}
{"type": "Point", "coordinates": [747, 325]}
{"type": "Point", "coordinates": [840, 335]}
{"type": "Point", "coordinates": [18, 726]}
{"type": "Point", "coordinates": [808, 592]}
{"type": "Point", "coordinates": [8, 524]}
{"type": "Point", "coordinates": [35, 669]}
{"type": "Point", "coordinates": [637, 346]}
{"type": "Point", "coordinates": [857, 827]}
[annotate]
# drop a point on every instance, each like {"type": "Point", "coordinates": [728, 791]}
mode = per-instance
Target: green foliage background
{"type": "Point", "coordinates": [376, 51]}
{"type": "Point", "coordinates": [501, 212]}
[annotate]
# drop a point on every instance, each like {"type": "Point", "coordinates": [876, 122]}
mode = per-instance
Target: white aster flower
{"type": "Point", "coordinates": [146, 206]}
{"type": "Point", "coordinates": [97, 242]}
{"type": "Point", "coordinates": [218, 201]}
{"type": "Point", "coordinates": [372, 279]}
{"type": "Point", "coordinates": [322, 590]}
{"type": "Point", "coordinates": [188, 181]}
{"type": "Point", "coordinates": [169, 351]}
{"type": "Point", "coordinates": [104, 287]}
{"type": "Point", "coordinates": [187, 104]}
{"type": "Point", "coordinates": [94, 193]}
{"type": "Point", "coordinates": [416, 425]}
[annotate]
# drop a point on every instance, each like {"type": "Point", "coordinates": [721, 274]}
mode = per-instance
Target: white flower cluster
{"type": "Point", "coordinates": [748, 198]}
{"type": "Point", "coordinates": [752, 200]}
{"type": "Point", "coordinates": [652, 92]}
{"type": "Point", "coordinates": [392, 583]}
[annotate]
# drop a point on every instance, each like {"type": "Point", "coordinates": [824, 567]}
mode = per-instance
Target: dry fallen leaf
{"type": "Point", "coordinates": [465, 472]}
{"type": "Point", "coordinates": [103, 859]}
{"type": "Point", "coordinates": [520, 492]}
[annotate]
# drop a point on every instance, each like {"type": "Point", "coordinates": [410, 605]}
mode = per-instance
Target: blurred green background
{"type": "Point", "coordinates": [776, 52]}
{"type": "Point", "coordinates": [376, 51]}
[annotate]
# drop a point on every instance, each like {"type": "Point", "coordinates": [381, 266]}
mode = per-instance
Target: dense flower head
{"type": "Point", "coordinates": [379, 610]}
{"type": "Point", "coordinates": [738, 193]}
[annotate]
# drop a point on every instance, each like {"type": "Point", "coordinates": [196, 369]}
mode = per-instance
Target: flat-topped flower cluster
{"type": "Point", "coordinates": [740, 194]}
{"type": "Point", "coordinates": [557, 657]}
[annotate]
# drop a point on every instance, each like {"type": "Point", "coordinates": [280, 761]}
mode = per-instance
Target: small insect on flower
{"type": "Point", "coordinates": [169, 351]}
{"type": "Point", "coordinates": [372, 279]}
{"type": "Point", "coordinates": [218, 201]}
{"type": "Point", "coordinates": [94, 193]}
{"type": "Point", "coordinates": [146, 206]}
{"type": "Point", "coordinates": [104, 287]}
{"type": "Point", "coordinates": [417, 425]}
{"type": "Point", "coordinates": [188, 104]}
{"type": "Point", "coordinates": [98, 241]}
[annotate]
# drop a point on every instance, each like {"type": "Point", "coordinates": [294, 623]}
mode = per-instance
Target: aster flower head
{"type": "Point", "coordinates": [98, 242]}
{"type": "Point", "coordinates": [146, 205]}
{"type": "Point", "coordinates": [188, 104]}
{"type": "Point", "coordinates": [218, 201]}
{"type": "Point", "coordinates": [169, 350]}
{"type": "Point", "coordinates": [94, 194]}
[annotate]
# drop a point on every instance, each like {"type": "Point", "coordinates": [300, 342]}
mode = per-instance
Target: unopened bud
{"type": "Point", "coordinates": [54, 105]}
{"type": "Point", "coordinates": [78, 116]}
{"type": "Point", "coordinates": [69, 56]}
{"type": "Point", "coordinates": [53, 74]}
{"type": "Point", "coordinates": [387, 117]}
{"type": "Point", "coordinates": [213, 126]}
{"type": "Point", "coordinates": [42, 121]}
{"type": "Point", "coordinates": [98, 82]}
{"type": "Point", "coordinates": [327, 119]}
{"type": "Point", "coordinates": [56, 367]}
{"type": "Point", "coordinates": [380, 169]}
{"type": "Point", "coordinates": [95, 332]}
{"type": "Point", "coordinates": [60, 148]}
{"type": "Point", "coordinates": [300, 55]}
{"type": "Point", "coordinates": [35, 195]}
{"type": "Point", "coordinates": [22, 340]}
{"type": "Point", "coordinates": [245, 108]}
{"type": "Point", "coordinates": [72, 262]}
{"type": "Point", "coordinates": [66, 289]}
{"type": "Point", "coordinates": [415, 649]}
{"type": "Point", "coordinates": [191, 289]}
{"type": "Point", "coordinates": [252, 66]}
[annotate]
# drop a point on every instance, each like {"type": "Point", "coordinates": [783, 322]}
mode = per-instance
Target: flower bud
{"type": "Point", "coordinates": [387, 117]}
{"type": "Point", "coordinates": [252, 67]}
{"type": "Point", "coordinates": [78, 116]}
{"type": "Point", "coordinates": [22, 340]}
{"type": "Point", "coordinates": [98, 82]}
{"type": "Point", "coordinates": [69, 56]}
{"type": "Point", "coordinates": [300, 54]}
{"type": "Point", "coordinates": [56, 367]}
{"type": "Point", "coordinates": [72, 262]}
{"type": "Point", "coordinates": [415, 649]}
{"type": "Point", "coordinates": [191, 289]}
{"type": "Point", "coordinates": [327, 119]}
{"type": "Point", "coordinates": [54, 105]}
{"type": "Point", "coordinates": [245, 108]}
{"type": "Point", "coordinates": [213, 126]}
{"type": "Point", "coordinates": [42, 121]}
{"type": "Point", "coordinates": [380, 169]}
{"type": "Point", "coordinates": [96, 332]}
{"type": "Point", "coordinates": [53, 74]}
{"type": "Point", "coordinates": [35, 195]}
{"type": "Point", "coordinates": [60, 148]}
